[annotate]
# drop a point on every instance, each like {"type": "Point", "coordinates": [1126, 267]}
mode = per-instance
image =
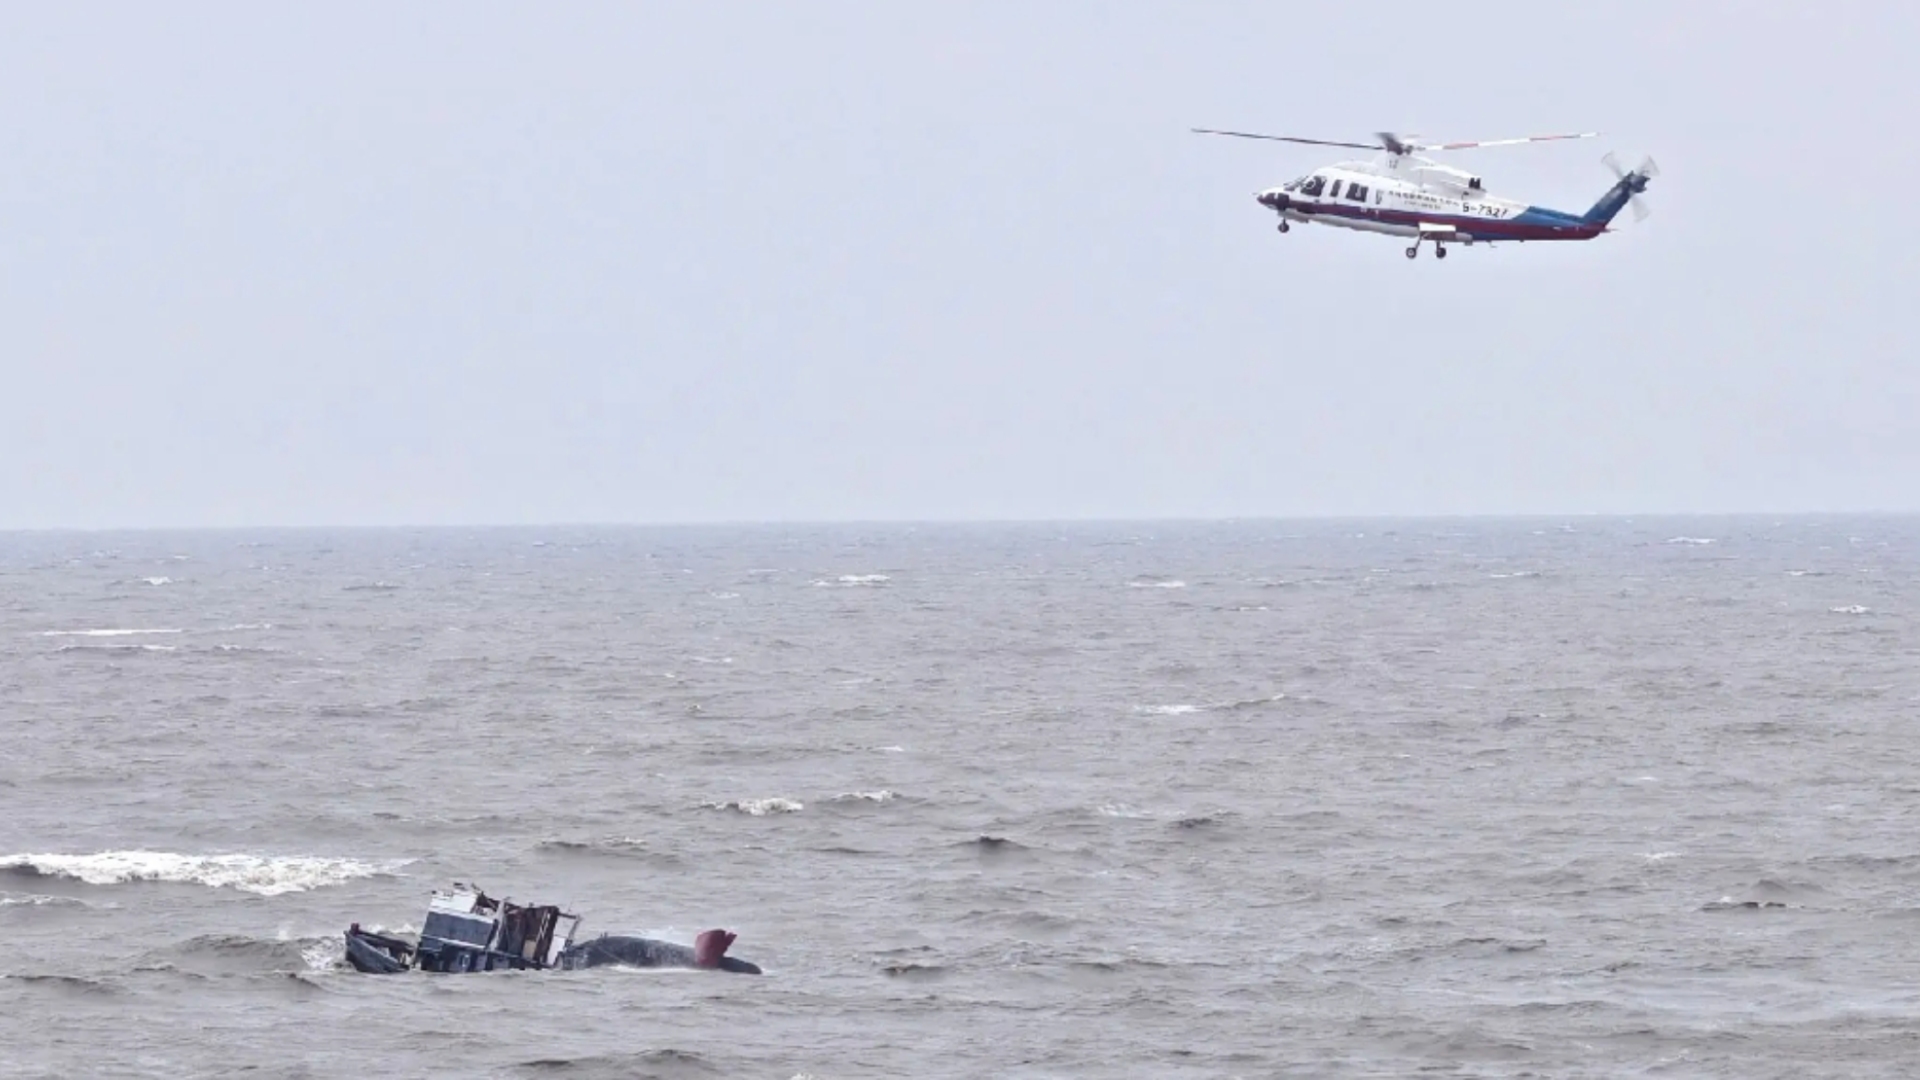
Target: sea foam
{"type": "Point", "coordinates": [266, 875]}
{"type": "Point", "coordinates": [760, 807]}
{"type": "Point", "coordinates": [102, 633]}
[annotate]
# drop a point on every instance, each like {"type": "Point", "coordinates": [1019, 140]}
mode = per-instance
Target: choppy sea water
{"type": "Point", "coordinates": [1594, 798]}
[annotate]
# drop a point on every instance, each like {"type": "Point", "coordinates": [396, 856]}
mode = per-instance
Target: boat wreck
{"type": "Point", "coordinates": [466, 930]}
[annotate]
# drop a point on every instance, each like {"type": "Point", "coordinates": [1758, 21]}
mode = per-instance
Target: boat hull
{"type": "Point", "coordinates": [377, 954]}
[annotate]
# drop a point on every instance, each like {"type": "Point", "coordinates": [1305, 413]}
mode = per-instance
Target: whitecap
{"type": "Point", "coordinates": [1692, 540]}
{"type": "Point", "coordinates": [158, 580]}
{"type": "Point", "coordinates": [864, 579]}
{"type": "Point", "coordinates": [1852, 609]}
{"type": "Point", "coordinates": [266, 875]}
{"type": "Point", "coordinates": [102, 633]}
{"type": "Point", "coordinates": [881, 796]}
{"type": "Point", "coordinates": [1156, 584]}
{"type": "Point", "coordinates": [251, 626]}
{"type": "Point", "coordinates": [1167, 710]}
{"type": "Point", "coordinates": [1660, 856]}
{"type": "Point", "coordinates": [115, 648]}
{"type": "Point", "coordinates": [711, 659]}
{"type": "Point", "coordinates": [1122, 810]}
{"type": "Point", "coordinates": [322, 955]}
{"type": "Point", "coordinates": [759, 807]}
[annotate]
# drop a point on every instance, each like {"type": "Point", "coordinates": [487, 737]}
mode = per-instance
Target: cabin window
{"type": "Point", "coordinates": [1357, 192]}
{"type": "Point", "coordinates": [1378, 196]}
{"type": "Point", "coordinates": [1334, 193]}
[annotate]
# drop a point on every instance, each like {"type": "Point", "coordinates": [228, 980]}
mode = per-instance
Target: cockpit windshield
{"type": "Point", "coordinates": [1312, 185]}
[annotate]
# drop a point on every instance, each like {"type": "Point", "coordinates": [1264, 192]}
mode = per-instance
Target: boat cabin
{"type": "Point", "coordinates": [467, 930]}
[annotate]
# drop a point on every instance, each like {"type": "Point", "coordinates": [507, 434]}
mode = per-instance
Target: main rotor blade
{"type": "Point", "coordinates": [1505, 142]}
{"type": "Point", "coordinates": [1285, 138]}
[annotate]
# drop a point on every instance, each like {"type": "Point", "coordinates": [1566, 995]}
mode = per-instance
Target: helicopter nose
{"type": "Point", "coordinates": [1272, 199]}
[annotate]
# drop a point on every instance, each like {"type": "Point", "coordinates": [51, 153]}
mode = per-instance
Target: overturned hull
{"type": "Point", "coordinates": [642, 952]}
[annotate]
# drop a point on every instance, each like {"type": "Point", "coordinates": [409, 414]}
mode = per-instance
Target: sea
{"type": "Point", "coordinates": [1587, 797]}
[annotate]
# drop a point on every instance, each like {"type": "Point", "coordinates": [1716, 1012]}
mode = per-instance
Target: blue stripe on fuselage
{"type": "Point", "coordinates": [1540, 215]}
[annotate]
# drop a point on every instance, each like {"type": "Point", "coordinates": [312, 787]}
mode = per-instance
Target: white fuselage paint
{"type": "Point", "coordinates": [1393, 204]}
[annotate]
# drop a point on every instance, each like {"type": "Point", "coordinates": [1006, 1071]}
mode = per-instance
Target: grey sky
{"type": "Point", "coordinates": [472, 263]}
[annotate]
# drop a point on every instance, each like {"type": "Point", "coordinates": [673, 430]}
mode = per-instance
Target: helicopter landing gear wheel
{"type": "Point", "coordinates": [1439, 252]}
{"type": "Point", "coordinates": [1413, 251]}
{"type": "Point", "coordinates": [1284, 227]}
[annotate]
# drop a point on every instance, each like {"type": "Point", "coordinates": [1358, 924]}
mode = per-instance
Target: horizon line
{"type": "Point", "coordinates": [904, 522]}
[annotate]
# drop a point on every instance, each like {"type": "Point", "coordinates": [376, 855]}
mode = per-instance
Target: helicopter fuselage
{"type": "Point", "coordinates": [1425, 201]}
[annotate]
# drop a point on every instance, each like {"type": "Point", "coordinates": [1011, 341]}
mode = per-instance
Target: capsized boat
{"type": "Point", "coordinates": [466, 930]}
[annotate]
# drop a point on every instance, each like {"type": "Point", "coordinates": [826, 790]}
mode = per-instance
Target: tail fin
{"type": "Point", "coordinates": [1625, 190]}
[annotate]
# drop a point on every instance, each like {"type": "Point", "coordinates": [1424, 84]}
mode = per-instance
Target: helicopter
{"type": "Point", "coordinates": [1405, 193]}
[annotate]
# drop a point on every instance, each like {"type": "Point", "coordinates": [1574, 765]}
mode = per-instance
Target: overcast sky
{"type": "Point", "coordinates": [489, 263]}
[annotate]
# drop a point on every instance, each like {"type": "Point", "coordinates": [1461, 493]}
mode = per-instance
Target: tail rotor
{"type": "Point", "coordinates": [1635, 182]}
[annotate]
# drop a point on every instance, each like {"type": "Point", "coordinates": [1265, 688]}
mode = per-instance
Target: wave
{"type": "Point", "coordinates": [32, 900]}
{"type": "Point", "coordinates": [916, 973]}
{"type": "Point", "coordinates": [1697, 540]}
{"type": "Point", "coordinates": [236, 954]}
{"type": "Point", "coordinates": [102, 633]}
{"type": "Point", "coordinates": [666, 1063]}
{"type": "Point", "coordinates": [1728, 903]}
{"type": "Point", "coordinates": [65, 984]}
{"type": "Point", "coordinates": [1851, 609]}
{"type": "Point", "coordinates": [759, 807]}
{"type": "Point", "coordinates": [1217, 706]}
{"type": "Point", "coordinates": [881, 796]}
{"type": "Point", "coordinates": [854, 581]}
{"type": "Point", "coordinates": [158, 580]}
{"type": "Point", "coordinates": [263, 875]}
{"type": "Point", "coordinates": [377, 586]}
{"type": "Point", "coordinates": [115, 648]}
{"type": "Point", "coordinates": [1248, 703]}
{"type": "Point", "coordinates": [993, 845]}
{"type": "Point", "coordinates": [619, 847]}
{"type": "Point", "coordinates": [1170, 584]}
